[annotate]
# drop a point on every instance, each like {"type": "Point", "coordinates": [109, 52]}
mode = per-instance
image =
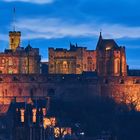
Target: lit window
{"type": "Point", "coordinates": [22, 115]}
{"type": "Point", "coordinates": [3, 60]}
{"type": "Point", "coordinates": [46, 122]}
{"type": "Point", "coordinates": [10, 62]}
{"type": "Point", "coordinates": [10, 71]}
{"type": "Point", "coordinates": [108, 48]}
{"type": "Point", "coordinates": [44, 111]}
{"type": "Point", "coordinates": [34, 115]}
{"type": "Point", "coordinates": [53, 121]}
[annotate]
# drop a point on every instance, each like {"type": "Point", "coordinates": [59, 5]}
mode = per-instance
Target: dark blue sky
{"type": "Point", "coordinates": [55, 23]}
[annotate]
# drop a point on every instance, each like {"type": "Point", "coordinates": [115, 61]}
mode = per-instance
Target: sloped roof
{"type": "Point", "coordinates": [103, 43]}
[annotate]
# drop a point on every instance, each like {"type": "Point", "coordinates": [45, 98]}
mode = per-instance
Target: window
{"type": "Point", "coordinates": [116, 66]}
{"type": "Point", "coordinates": [51, 66]}
{"type": "Point", "coordinates": [22, 118]}
{"type": "Point", "coordinates": [136, 81]}
{"type": "Point", "coordinates": [34, 111]}
{"type": "Point", "coordinates": [65, 65]}
{"type": "Point", "coordinates": [108, 48]}
{"type": "Point", "coordinates": [90, 63]}
{"type": "Point", "coordinates": [10, 71]}
{"type": "Point", "coordinates": [32, 78]}
{"type": "Point", "coordinates": [12, 40]}
{"type": "Point", "coordinates": [3, 61]}
{"type": "Point", "coordinates": [15, 79]}
{"type": "Point", "coordinates": [121, 81]}
{"type": "Point", "coordinates": [10, 62]}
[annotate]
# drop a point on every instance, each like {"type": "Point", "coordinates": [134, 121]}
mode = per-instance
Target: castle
{"type": "Point", "coordinates": [74, 74]}
{"type": "Point", "coordinates": [108, 59]}
{"type": "Point", "coordinates": [19, 60]}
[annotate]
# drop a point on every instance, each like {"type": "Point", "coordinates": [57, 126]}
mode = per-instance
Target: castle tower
{"type": "Point", "coordinates": [111, 58]}
{"type": "Point", "coordinates": [14, 36]}
{"type": "Point", "coordinates": [14, 39]}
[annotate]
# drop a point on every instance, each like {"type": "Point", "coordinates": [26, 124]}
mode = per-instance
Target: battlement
{"type": "Point", "coordinates": [17, 33]}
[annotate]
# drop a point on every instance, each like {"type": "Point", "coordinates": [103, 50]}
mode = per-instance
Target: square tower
{"type": "Point", "coordinates": [14, 39]}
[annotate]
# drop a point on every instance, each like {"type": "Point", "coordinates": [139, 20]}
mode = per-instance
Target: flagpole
{"type": "Point", "coordinates": [14, 18]}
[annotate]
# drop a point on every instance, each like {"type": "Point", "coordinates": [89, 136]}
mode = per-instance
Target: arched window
{"type": "Point", "coordinates": [10, 62]}
{"type": "Point", "coordinates": [58, 67]}
{"type": "Point", "coordinates": [89, 64]}
{"type": "Point", "coordinates": [65, 67]}
{"type": "Point", "coordinates": [117, 66]}
{"type": "Point", "coordinates": [65, 64]}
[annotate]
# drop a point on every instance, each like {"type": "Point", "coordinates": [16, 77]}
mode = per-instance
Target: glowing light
{"type": "Point", "coordinates": [53, 121]}
{"type": "Point", "coordinates": [46, 122]}
{"type": "Point", "coordinates": [22, 115]}
{"type": "Point", "coordinates": [108, 48]}
{"type": "Point", "coordinates": [44, 111]}
{"type": "Point", "coordinates": [34, 115]}
{"type": "Point", "coordinates": [64, 131]}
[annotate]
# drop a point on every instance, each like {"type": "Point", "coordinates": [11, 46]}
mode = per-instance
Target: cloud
{"type": "Point", "coordinates": [57, 28]}
{"type": "Point", "coordinates": [31, 1]}
{"type": "Point", "coordinates": [52, 28]}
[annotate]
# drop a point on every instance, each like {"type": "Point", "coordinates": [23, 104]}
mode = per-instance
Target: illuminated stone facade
{"type": "Point", "coordinates": [72, 61]}
{"type": "Point", "coordinates": [107, 60]}
{"type": "Point", "coordinates": [111, 58]}
{"type": "Point", "coordinates": [19, 60]}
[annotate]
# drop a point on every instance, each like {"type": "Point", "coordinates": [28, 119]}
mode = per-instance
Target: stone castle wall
{"type": "Point", "coordinates": [54, 86]}
{"type": "Point", "coordinates": [68, 87]}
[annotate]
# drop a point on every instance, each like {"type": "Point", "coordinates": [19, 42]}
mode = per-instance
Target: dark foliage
{"type": "Point", "coordinates": [97, 115]}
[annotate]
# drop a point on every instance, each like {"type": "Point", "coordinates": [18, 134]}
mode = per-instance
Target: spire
{"type": "Point", "coordinates": [28, 48]}
{"type": "Point", "coordinates": [100, 37]}
{"type": "Point", "coordinates": [99, 41]}
{"type": "Point", "coordinates": [14, 19]}
{"type": "Point", "coordinates": [14, 36]}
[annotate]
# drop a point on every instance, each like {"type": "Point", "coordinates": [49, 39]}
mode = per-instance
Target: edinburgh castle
{"type": "Point", "coordinates": [74, 74]}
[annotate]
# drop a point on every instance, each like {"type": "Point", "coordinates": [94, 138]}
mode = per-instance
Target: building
{"type": "Point", "coordinates": [73, 61]}
{"type": "Point", "coordinates": [28, 120]}
{"type": "Point", "coordinates": [108, 59]}
{"type": "Point", "coordinates": [19, 60]}
{"type": "Point", "coordinates": [74, 74]}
